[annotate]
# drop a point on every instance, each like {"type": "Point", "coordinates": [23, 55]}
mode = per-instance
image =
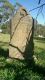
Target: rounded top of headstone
{"type": "Point", "coordinates": [23, 11]}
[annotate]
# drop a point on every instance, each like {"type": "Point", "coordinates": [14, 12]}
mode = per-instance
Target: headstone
{"type": "Point", "coordinates": [21, 42]}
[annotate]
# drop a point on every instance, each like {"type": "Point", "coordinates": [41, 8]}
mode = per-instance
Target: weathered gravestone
{"type": "Point", "coordinates": [21, 43]}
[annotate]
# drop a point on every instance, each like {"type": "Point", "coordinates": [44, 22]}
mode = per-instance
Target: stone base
{"type": "Point", "coordinates": [14, 53]}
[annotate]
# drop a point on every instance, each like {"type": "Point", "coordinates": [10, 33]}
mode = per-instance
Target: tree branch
{"type": "Point", "coordinates": [39, 11]}
{"type": "Point", "coordinates": [39, 1]}
{"type": "Point", "coordinates": [37, 7]}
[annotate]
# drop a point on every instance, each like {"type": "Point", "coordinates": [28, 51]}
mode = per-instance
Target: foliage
{"type": "Point", "coordinates": [6, 9]}
{"type": "Point", "coordinates": [39, 30]}
{"type": "Point", "coordinates": [6, 4]}
{"type": "Point", "coordinates": [5, 28]}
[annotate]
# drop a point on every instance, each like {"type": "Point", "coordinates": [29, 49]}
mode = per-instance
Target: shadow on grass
{"type": "Point", "coordinates": [41, 41]}
{"type": "Point", "coordinates": [3, 43]}
{"type": "Point", "coordinates": [23, 69]}
{"type": "Point", "coordinates": [4, 53]}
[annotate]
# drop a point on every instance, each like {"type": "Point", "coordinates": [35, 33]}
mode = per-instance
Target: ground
{"type": "Point", "coordinates": [13, 69]}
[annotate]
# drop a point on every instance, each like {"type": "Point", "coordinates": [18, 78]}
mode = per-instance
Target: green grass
{"type": "Point", "coordinates": [39, 51]}
{"type": "Point", "coordinates": [13, 69]}
{"type": "Point", "coordinates": [4, 40]}
{"type": "Point", "coordinates": [4, 37]}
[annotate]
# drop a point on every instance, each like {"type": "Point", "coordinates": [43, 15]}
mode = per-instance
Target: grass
{"type": "Point", "coordinates": [39, 51]}
{"type": "Point", "coordinates": [4, 37]}
{"type": "Point", "coordinates": [14, 69]}
{"type": "Point", "coordinates": [4, 40]}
